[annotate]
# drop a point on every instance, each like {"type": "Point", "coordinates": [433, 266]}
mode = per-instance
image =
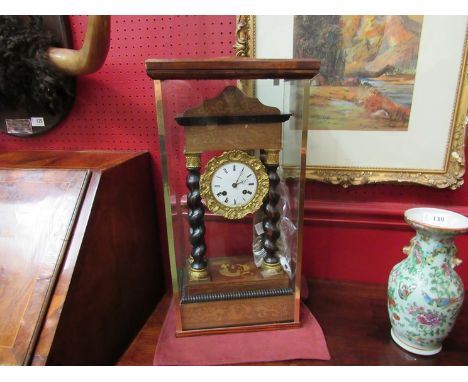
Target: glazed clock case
{"type": "Point", "coordinates": [234, 267]}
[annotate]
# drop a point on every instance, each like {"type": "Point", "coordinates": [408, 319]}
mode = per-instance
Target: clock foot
{"type": "Point", "coordinates": [198, 275]}
{"type": "Point", "coordinates": [271, 269]}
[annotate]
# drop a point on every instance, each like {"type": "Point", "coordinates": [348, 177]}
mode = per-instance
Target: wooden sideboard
{"type": "Point", "coordinates": [80, 263]}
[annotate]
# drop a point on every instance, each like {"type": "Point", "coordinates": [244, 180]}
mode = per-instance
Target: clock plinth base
{"type": "Point", "coordinates": [237, 294]}
{"type": "Point", "coordinates": [266, 313]}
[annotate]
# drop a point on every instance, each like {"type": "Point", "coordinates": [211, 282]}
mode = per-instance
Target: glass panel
{"type": "Point", "coordinates": [243, 214]}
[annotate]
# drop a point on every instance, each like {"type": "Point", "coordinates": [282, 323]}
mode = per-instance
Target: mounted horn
{"type": "Point", "coordinates": [92, 54]}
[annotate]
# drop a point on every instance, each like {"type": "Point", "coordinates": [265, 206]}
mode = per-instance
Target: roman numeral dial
{"type": "Point", "coordinates": [234, 184]}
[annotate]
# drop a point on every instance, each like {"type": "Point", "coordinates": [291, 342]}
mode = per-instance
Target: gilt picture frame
{"type": "Point", "coordinates": [430, 151]}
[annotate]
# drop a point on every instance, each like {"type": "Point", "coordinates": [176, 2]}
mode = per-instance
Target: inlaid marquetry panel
{"type": "Point", "coordinates": [235, 274]}
{"type": "Point", "coordinates": [37, 209]}
{"type": "Point", "coordinates": [254, 311]}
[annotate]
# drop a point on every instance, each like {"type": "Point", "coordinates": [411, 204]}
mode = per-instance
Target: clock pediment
{"type": "Point", "coordinates": [231, 121]}
{"type": "Point", "coordinates": [231, 106]}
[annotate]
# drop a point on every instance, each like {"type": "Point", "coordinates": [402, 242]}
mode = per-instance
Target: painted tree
{"type": "Point", "coordinates": [321, 37]}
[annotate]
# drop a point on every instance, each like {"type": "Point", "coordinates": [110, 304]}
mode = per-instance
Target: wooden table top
{"type": "Point", "coordinates": [355, 322]}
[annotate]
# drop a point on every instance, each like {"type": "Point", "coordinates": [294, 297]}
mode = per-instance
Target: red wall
{"type": "Point", "coordinates": [350, 234]}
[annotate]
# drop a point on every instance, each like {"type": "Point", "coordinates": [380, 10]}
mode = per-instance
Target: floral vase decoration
{"type": "Point", "coordinates": [425, 293]}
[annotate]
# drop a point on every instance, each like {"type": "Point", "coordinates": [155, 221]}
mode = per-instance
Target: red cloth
{"type": "Point", "coordinates": [307, 342]}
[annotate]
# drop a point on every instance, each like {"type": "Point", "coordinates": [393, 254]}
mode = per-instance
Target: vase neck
{"type": "Point", "coordinates": [434, 247]}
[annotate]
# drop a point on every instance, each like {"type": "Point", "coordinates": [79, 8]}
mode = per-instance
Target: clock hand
{"type": "Point", "coordinates": [237, 181]}
{"type": "Point", "coordinates": [245, 179]}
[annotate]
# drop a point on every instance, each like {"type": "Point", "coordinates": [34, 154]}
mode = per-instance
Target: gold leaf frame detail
{"type": "Point", "coordinates": [452, 175]}
{"type": "Point", "coordinates": [245, 47]}
{"type": "Point", "coordinates": [234, 213]}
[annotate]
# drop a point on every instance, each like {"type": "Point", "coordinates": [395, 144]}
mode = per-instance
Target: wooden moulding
{"type": "Point", "coordinates": [236, 315]}
{"type": "Point", "coordinates": [95, 159]}
{"type": "Point", "coordinates": [231, 67]}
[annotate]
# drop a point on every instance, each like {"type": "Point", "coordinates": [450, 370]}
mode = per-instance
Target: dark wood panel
{"type": "Point", "coordinates": [227, 137]}
{"type": "Point", "coordinates": [117, 279]}
{"type": "Point", "coordinates": [237, 68]}
{"type": "Point", "coordinates": [37, 209]}
{"type": "Point", "coordinates": [354, 319]}
{"type": "Point", "coordinates": [141, 350]}
{"type": "Point", "coordinates": [59, 296]}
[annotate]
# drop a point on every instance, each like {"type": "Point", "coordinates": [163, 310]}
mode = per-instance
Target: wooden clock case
{"type": "Point", "coordinates": [225, 292]}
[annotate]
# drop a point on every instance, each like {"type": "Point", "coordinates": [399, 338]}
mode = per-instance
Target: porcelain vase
{"type": "Point", "coordinates": [425, 293]}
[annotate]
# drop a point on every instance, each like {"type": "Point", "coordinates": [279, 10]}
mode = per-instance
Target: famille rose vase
{"type": "Point", "coordinates": [425, 294]}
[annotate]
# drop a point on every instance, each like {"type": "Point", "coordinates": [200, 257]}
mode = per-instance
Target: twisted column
{"type": "Point", "coordinates": [272, 213]}
{"type": "Point", "coordinates": [198, 264]}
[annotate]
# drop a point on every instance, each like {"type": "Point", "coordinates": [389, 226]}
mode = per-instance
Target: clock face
{"type": "Point", "coordinates": [234, 184]}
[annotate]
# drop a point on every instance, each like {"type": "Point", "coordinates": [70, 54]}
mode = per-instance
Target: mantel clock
{"type": "Point", "coordinates": [235, 227]}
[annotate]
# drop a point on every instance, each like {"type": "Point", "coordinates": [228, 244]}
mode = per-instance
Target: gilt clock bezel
{"type": "Point", "coordinates": [231, 212]}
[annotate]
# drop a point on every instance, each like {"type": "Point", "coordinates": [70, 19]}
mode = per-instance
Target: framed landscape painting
{"type": "Point", "coordinates": [390, 102]}
{"type": "Point", "coordinates": [366, 80]}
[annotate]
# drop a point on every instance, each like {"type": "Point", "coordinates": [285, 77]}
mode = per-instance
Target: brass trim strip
{"type": "Point", "coordinates": [300, 215]}
{"type": "Point", "coordinates": [166, 188]}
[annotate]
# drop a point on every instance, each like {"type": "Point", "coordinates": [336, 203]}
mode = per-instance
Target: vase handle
{"type": "Point", "coordinates": [456, 262]}
{"type": "Point", "coordinates": [407, 249]}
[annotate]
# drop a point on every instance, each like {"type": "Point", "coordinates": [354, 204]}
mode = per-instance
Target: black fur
{"type": "Point", "coordinates": [28, 80]}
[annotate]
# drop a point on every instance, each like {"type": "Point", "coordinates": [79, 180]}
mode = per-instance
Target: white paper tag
{"type": "Point", "coordinates": [37, 122]}
{"type": "Point", "coordinates": [258, 258]}
{"type": "Point", "coordinates": [259, 228]}
{"type": "Point", "coordinates": [284, 263]}
{"type": "Point", "coordinates": [439, 219]}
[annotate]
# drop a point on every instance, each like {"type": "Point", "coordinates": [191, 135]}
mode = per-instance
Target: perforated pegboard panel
{"type": "Point", "coordinates": [115, 106]}
{"type": "Point", "coordinates": [114, 109]}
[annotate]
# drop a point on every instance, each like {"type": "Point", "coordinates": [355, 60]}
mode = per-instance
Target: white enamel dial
{"type": "Point", "coordinates": [234, 184]}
